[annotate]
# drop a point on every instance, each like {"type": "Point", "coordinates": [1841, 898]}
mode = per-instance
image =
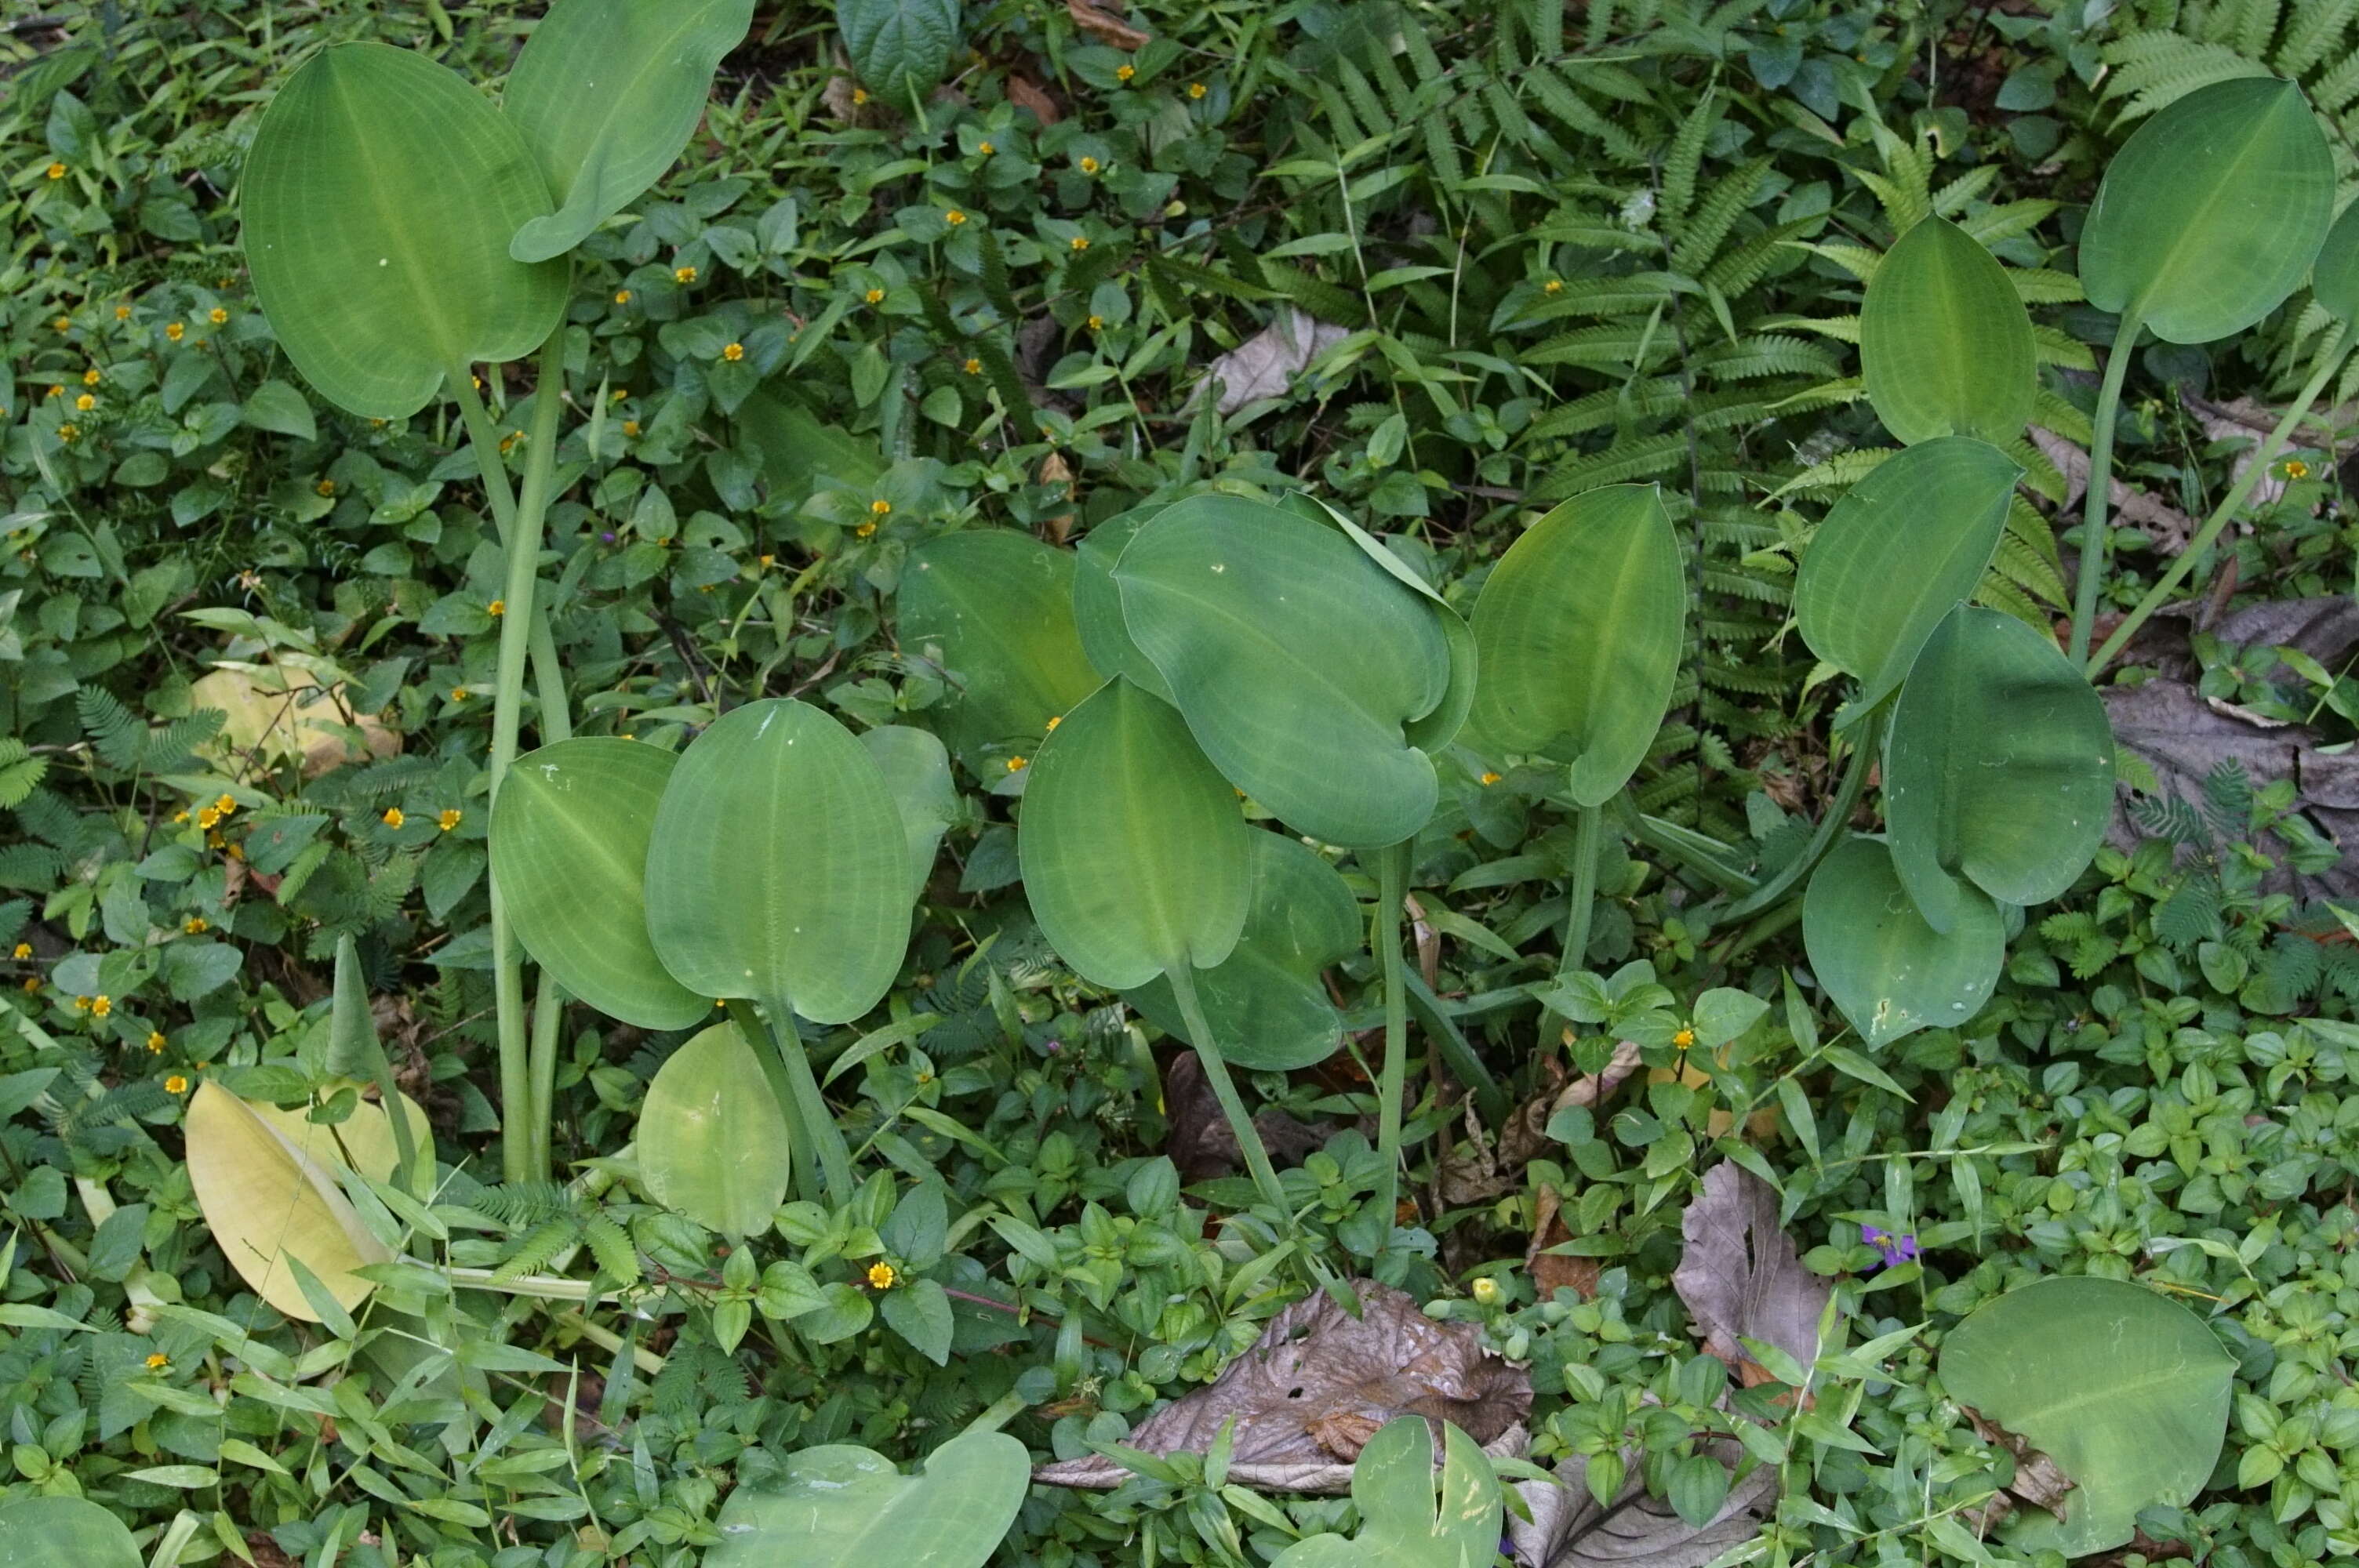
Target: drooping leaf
{"type": "Point", "coordinates": [1136, 856]}
{"type": "Point", "coordinates": [569, 847]}
{"type": "Point", "coordinates": [606, 92]}
{"type": "Point", "coordinates": [2000, 767]}
{"type": "Point", "coordinates": [1890, 972]}
{"type": "Point", "coordinates": [1944, 340]}
{"type": "Point", "coordinates": [711, 1138]}
{"type": "Point", "coordinates": [900, 49]}
{"type": "Point", "coordinates": [994, 608]}
{"type": "Point", "coordinates": [778, 871]}
{"type": "Point", "coordinates": [2335, 277]}
{"type": "Point", "coordinates": [380, 197]}
{"type": "Point", "coordinates": [1319, 1384]}
{"type": "Point", "coordinates": [1571, 1529]}
{"type": "Point", "coordinates": [1894, 554]}
{"type": "Point", "coordinates": [266, 1200]}
{"type": "Point", "coordinates": [916, 771]}
{"type": "Point", "coordinates": [1264, 1002]}
{"type": "Point", "coordinates": [1579, 632]}
{"type": "Point", "coordinates": [53, 1532]}
{"type": "Point", "coordinates": [1300, 663]}
{"type": "Point", "coordinates": [838, 1504]}
{"type": "Point", "coordinates": [2123, 1388]}
{"type": "Point", "coordinates": [1097, 602]}
{"type": "Point", "coordinates": [1404, 1523]}
{"type": "Point", "coordinates": [2212, 212]}
{"type": "Point", "coordinates": [1740, 1276]}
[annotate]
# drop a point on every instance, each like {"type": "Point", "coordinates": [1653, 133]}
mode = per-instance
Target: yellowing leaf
{"type": "Point", "coordinates": [266, 1200]}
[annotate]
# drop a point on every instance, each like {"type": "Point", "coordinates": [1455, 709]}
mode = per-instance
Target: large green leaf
{"type": "Point", "coordinates": [380, 197]}
{"type": "Point", "coordinates": [2127, 1391]}
{"type": "Point", "coordinates": [1097, 602]}
{"type": "Point", "coordinates": [1264, 1002]}
{"type": "Point", "coordinates": [2212, 212]}
{"type": "Point", "coordinates": [2000, 767]}
{"type": "Point", "coordinates": [1906, 544]}
{"type": "Point", "coordinates": [2335, 277]}
{"type": "Point", "coordinates": [917, 773]}
{"type": "Point", "coordinates": [1411, 1516]}
{"type": "Point", "coordinates": [1579, 632]}
{"type": "Point", "coordinates": [1136, 856]}
{"type": "Point", "coordinates": [778, 871]}
{"type": "Point", "coordinates": [994, 608]}
{"type": "Point", "coordinates": [1944, 340]}
{"type": "Point", "coordinates": [569, 853]}
{"type": "Point", "coordinates": [607, 93]}
{"type": "Point", "coordinates": [1890, 972]}
{"type": "Point", "coordinates": [841, 1506]}
{"type": "Point", "coordinates": [64, 1532]}
{"type": "Point", "coordinates": [1298, 661]}
{"type": "Point", "coordinates": [899, 48]}
{"type": "Point", "coordinates": [711, 1140]}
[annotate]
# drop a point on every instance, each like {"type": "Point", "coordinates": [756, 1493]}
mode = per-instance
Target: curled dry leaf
{"type": "Point", "coordinates": [1266, 364]}
{"type": "Point", "coordinates": [2038, 1480]}
{"type": "Point", "coordinates": [1741, 1277]}
{"type": "Point", "coordinates": [1570, 1529]}
{"type": "Point", "coordinates": [1105, 25]}
{"type": "Point", "coordinates": [1027, 93]}
{"type": "Point", "coordinates": [1319, 1383]}
{"type": "Point", "coordinates": [1552, 1271]}
{"type": "Point", "coordinates": [1056, 474]}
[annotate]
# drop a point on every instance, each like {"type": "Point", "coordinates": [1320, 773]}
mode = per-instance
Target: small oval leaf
{"type": "Point", "coordinates": [841, 1505]}
{"type": "Point", "coordinates": [1944, 340]}
{"type": "Point", "coordinates": [1890, 972]}
{"type": "Point", "coordinates": [711, 1140]}
{"type": "Point", "coordinates": [994, 608]}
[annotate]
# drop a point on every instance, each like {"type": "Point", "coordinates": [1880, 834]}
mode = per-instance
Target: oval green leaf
{"type": "Point", "coordinates": [1944, 340]}
{"type": "Point", "coordinates": [916, 771]}
{"type": "Point", "coordinates": [841, 1505]}
{"type": "Point", "coordinates": [1890, 972]}
{"type": "Point", "coordinates": [266, 1200]}
{"type": "Point", "coordinates": [1097, 602]}
{"type": "Point", "coordinates": [1136, 856]}
{"type": "Point", "coordinates": [1264, 1002]}
{"type": "Point", "coordinates": [1900, 548]}
{"type": "Point", "coordinates": [1578, 634]}
{"type": "Point", "coordinates": [606, 92]}
{"type": "Point", "coordinates": [1300, 663]}
{"type": "Point", "coordinates": [994, 608]}
{"type": "Point", "coordinates": [53, 1532]}
{"type": "Point", "coordinates": [711, 1140]}
{"type": "Point", "coordinates": [2128, 1392]}
{"type": "Point", "coordinates": [778, 871]}
{"type": "Point", "coordinates": [569, 854]}
{"type": "Point", "coordinates": [2335, 277]}
{"type": "Point", "coordinates": [2000, 767]}
{"type": "Point", "coordinates": [378, 201]}
{"type": "Point", "coordinates": [2212, 212]}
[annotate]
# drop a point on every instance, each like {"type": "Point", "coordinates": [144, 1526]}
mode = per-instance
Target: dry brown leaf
{"type": "Point", "coordinates": [1569, 1529]}
{"type": "Point", "coordinates": [1266, 364]}
{"type": "Point", "coordinates": [1104, 27]}
{"type": "Point", "coordinates": [2167, 526]}
{"type": "Point", "coordinates": [1056, 470]}
{"type": "Point", "coordinates": [1027, 93]}
{"type": "Point", "coordinates": [1319, 1383]}
{"type": "Point", "coordinates": [1527, 1138]}
{"type": "Point", "coordinates": [279, 714]}
{"type": "Point", "coordinates": [1741, 1276]}
{"type": "Point", "coordinates": [1202, 1145]}
{"type": "Point", "coordinates": [2038, 1481]}
{"type": "Point", "coordinates": [1554, 1271]}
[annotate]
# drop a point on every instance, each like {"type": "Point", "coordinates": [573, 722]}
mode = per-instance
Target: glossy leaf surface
{"type": "Point", "coordinates": [380, 197]}
{"type": "Point", "coordinates": [778, 871]}
{"type": "Point", "coordinates": [711, 1140]}
{"type": "Point", "coordinates": [570, 839]}
{"type": "Point", "coordinates": [841, 1505]}
{"type": "Point", "coordinates": [1888, 970]}
{"type": "Point", "coordinates": [1944, 340]}
{"type": "Point", "coordinates": [1579, 632]}
{"type": "Point", "coordinates": [994, 608]}
{"type": "Point", "coordinates": [917, 768]}
{"type": "Point", "coordinates": [1136, 856]}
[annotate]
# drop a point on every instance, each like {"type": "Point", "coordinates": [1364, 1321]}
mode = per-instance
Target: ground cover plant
{"type": "Point", "coordinates": [1061, 784]}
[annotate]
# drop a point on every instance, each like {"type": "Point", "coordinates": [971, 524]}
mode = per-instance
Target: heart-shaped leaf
{"type": "Point", "coordinates": [2000, 767]}
{"type": "Point", "coordinates": [2127, 1391]}
{"type": "Point", "coordinates": [2335, 277]}
{"type": "Point", "coordinates": [1136, 856]}
{"type": "Point", "coordinates": [2212, 212]}
{"type": "Point", "coordinates": [1300, 663]}
{"type": "Point", "coordinates": [778, 869]}
{"type": "Point", "coordinates": [380, 197]}
{"type": "Point", "coordinates": [841, 1505]}
{"type": "Point", "coordinates": [607, 93]}
{"type": "Point", "coordinates": [267, 1200]}
{"type": "Point", "coordinates": [570, 837]}
{"type": "Point", "coordinates": [1906, 544]}
{"type": "Point", "coordinates": [51, 1532]}
{"type": "Point", "coordinates": [1944, 340]}
{"type": "Point", "coordinates": [1403, 1522]}
{"type": "Point", "coordinates": [917, 772]}
{"type": "Point", "coordinates": [1579, 632]}
{"type": "Point", "coordinates": [1264, 1002]}
{"type": "Point", "coordinates": [994, 608]}
{"type": "Point", "coordinates": [1890, 972]}
{"type": "Point", "coordinates": [711, 1138]}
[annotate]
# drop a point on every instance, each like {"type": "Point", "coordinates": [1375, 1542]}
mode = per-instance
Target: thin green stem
{"type": "Point", "coordinates": [1839, 812]}
{"type": "Point", "coordinates": [1392, 1079]}
{"type": "Point", "coordinates": [818, 1126]}
{"type": "Point", "coordinates": [2330, 359]}
{"type": "Point", "coordinates": [1580, 899]}
{"type": "Point", "coordinates": [1007, 1408]}
{"type": "Point", "coordinates": [799, 1145]}
{"type": "Point", "coordinates": [2092, 571]}
{"type": "Point", "coordinates": [1224, 1089]}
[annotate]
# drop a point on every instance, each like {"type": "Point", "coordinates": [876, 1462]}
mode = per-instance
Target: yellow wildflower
{"type": "Point", "coordinates": [1486, 1291]}
{"type": "Point", "coordinates": [734, 352]}
{"type": "Point", "coordinates": [497, 608]}
{"type": "Point", "coordinates": [178, 1084]}
{"type": "Point", "coordinates": [180, 815]}
{"type": "Point", "coordinates": [195, 926]}
{"type": "Point", "coordinates": [217, 315]}
{"type": "Point", "coordinates": [972, 366]}
{"type": "Point", "coordinates": [1553, 285]}
{"type": "Point", "coordinates": [880, 508]}
{"type": "Point", "coordinates": [1683, 1038]}
{"type": "Point", "coordinates": [1089, 164]}
{"type": "Point", "coordinates": [68, 434]}
{"type": "Point", "coordinates": [448, 818]}
{"type": "Point", "coordinates": [225, 804]}
{"type": "Point", "coordinates": [123, 312]}
{"type": "Point", "coordinates": [2296, 469]}
{"type": "Point", "coordinates": [32, 984]}
{"type": "Point", "coordinates": [325, 487]}
{"type": "Point", "coordinates": [393, 816]}
{"type": "Point", "coordinates": [56, 171]}
{"type": "Point", "coordinates": [82, 1004]}
{"type": "Point", "coordinates": [176, 331]}
{"type": "Point", "coordinates": [23, 950]}
{"type": "Point", "coordinates": [100, 1006]}
{"type": "Point", "coordinates": [207, 818]}
{"type": "Point", "coordinates": [1017, 764]}
{"type": "Point", "coordinates": [85, 402]}
{"type": "Point", "coordinates": [57, 392]}
{"type": "Point", "coordinates": [875, 296]}
{"type": "Point", "coordinates": [1125, 72]}
{"type": "Point", "coordinates": [864, 530]}
{"type": "Point", "coordinates": [859, 97]}
{"type": "Point", "coordinates": [154, 1041]}
{"type": "Point", "coordinates": [90, 377]}
{"type": "Point", "coordinates": [1489, 779]}
{"type": "Point", "coordinates": [158, 1361]}
{"type": "Point", "coordinates": [63, 323]}
{"type": "Point", "coordinates": [1055, 719]}
{"type": "Point", "coordinates": [1195, 90]}
{"type": "Point", "coordinates": [683, 274]}
{"type": "Point", "coordinates": [881, 1276]}
{"type": "Point", "coordinates": [953, 217]}
{"type": "Point", "coordinates": [622, 297]}
{"type": "Point", "coordinates": [1096, 322]}
{"type": "Point", "coordinates": [458, 694]}
{"type": "Point", "coordinates": [630, 427]}
{"type": "Point", "coordinates": [1078, 242]}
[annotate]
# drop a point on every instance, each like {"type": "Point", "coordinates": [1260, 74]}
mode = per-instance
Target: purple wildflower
{"type": "Point", "coordinates": [1895, 1249]}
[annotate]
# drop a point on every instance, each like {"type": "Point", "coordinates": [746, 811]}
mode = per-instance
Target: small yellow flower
{"type": "Point", "coordinates": [1017, 764]}
{"type": "Point", "coordinates": [769, 561]}
{"type": "Point", "coordinates": [875, 296]}
{"type": "Point", "coordinates": [1195, 90]}
{"type": "Point", "coordinates": [154, 1041]}
{"type": "Point", "coordinates": [953, 217]}
{"type": "Point", "coordinates": [683, 274]}
{"type": "Point", "coordinates": [1125, 72]}
{"type": "Point", "coordinates": [180, 815]}
{"type": "Point", "coordinates": [985, 150]}
{"type": "Point", "coordinates": [195, 926]}
{"type": "Point", "coordinates": [1553, 285]}
{"type": "Point", "coordinates": [176, 331]}
{"type": "Point", "coordinates": [217, 315]}
{"type": "Point", "coordinates": [864, 530]}
{"type": "Point", "coordinates": [23, 950]}
{"type": "Point", "coordinates": [207, 818]}
{"type": "Point", "coordinates": [880, 508]}
{"type": "Point", "coordinates": [224, 804]}
{"type": "Point", "coordinates": [859, 96]}
{"type": "Point", "coordinates": [123, 312]}
{"type": "Point", "coordinates": [68, 434]}
{"type": "Point", "coordinates": [90, 377]}
{"type": "Point", "coordinates": [85, 402]}
{"type": "Point", "coordinates": [630, 427]}
{"type": "Point", "coordinates": [100, 1006]}
{"type": "Point", "coordinates": [56, 171]}
{"type": "Point", "coordinates": [1489, 779]}
{"type": "Point", "coordinates": [620, 393]}
{"type": "Point", "coordinates": [1089, 164]}
{"type": "Point", "coordinates": [325, 487]}
{"type": "Point", "coordinates": [734, 352]}
{"type": "Point", "coordinates": [972, 366]}
{"type": "Point", "coordinates": [448, 818]}
{"type": "Point", "coordinates": [158, 1361]}
{"type": "Point", "coordinates": [57, 392]}
{"type": "Point", "coordinates": [1486, 1291]}
{"type": "Point", "coordinates": [497, 608]}
{"type": "Point", "coordinates": [1055, 719]}
{"type": "Point", "coordinates": [82, 1004]}
{"type": "Point", "coordinates": [881, 1276]}
{"type": "Point", "coordinates": [178, 1084]}
{"type": "Point", "coordinates": [1683, 1038]}
{"type": "Point", "coordinates": [1078, 242]}
{"type": "Point", "coordinates": [458, 694]}
{"type": "Point", "coordinates": [393, 816]}
{"type": "Point", "coordinates": [63, 323]}
{"type": "Point", "coordinates": [622, 297]}
{"type": "Point", "coordinates": [511, 441]}
{"type": "Point", "coordinates": [32, 984]}
{"type": "Point", "coordinates": [2296, 469]}
{"type": "Point", "coordinates": [1096, 322]}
